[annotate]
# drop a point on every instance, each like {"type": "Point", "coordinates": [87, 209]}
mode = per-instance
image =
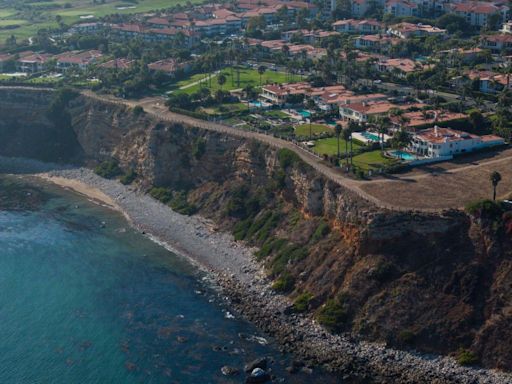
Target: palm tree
{"type": "Point", "coordinates": [261, 71]}
{"type": "Point", "coordinates": [495, 179]}
{"type": "Point", "coordinates": [346, 137]}
{"type": "Point", "coordinates": [383, 128]}
{"type": "Point", "coordinates": [338, 130]}
{"type": "Point", "coordinates": [221, 79]}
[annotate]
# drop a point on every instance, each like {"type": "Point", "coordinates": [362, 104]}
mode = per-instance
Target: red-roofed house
{"type": "Point", "coordinates": [497, 43]}
{"type": "Point", "coordinates": [407, 30]}
{"type": "Point", "coordinates": [399, 8]}
{"type": "Point", "coordinates": [477, 13]}
{"type": "Point", "coordinates": [168, 66]}
{"type": "Point", "coordinates": [367, 26]}
{"type": "Point", "coordinates": [77, 59]}
{"type": "Point", "coordinates": [439, 142]}
{"type": "Point", "coordinates": [33, 62]}
{"type": "Point", "coordinates": [118, 64]}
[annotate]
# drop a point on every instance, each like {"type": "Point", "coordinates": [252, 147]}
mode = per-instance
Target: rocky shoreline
{"type": "Point", "coordinates": [246, 287]}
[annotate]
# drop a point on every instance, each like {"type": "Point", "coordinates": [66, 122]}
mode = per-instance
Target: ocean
{"type": "Point", "coordinates": [86, 299]}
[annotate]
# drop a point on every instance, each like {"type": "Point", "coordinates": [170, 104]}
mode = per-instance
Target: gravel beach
{"type": "Point", "coordinates": [245, 285]}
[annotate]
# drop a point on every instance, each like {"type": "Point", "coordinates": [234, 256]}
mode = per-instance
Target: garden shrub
{"type": "Point", "coordinates": [332, 315]}
{"type": "Point", "coordinates": [108, 169]}
{"type": "Point", "coordinates": [466, 357]}
{"type": "Point", "coordinates": [301, 303]}
{"type": "Point", "coordinates": [284, 283]}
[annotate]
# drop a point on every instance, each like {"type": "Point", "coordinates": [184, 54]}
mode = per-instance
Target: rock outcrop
{"type": "Point", "coordinates": [434, 282]}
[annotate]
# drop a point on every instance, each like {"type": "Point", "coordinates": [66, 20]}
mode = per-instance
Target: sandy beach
{"type": "Point", "coordinates": [243, 281]}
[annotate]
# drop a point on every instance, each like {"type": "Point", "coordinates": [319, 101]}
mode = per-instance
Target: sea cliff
{"type": "Point", "coordinates": [434, 282]}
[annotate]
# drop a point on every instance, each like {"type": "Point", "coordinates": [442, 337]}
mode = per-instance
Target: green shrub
{"type": "Point", "coordinates": [162, 194]}
{"type": "Point", "coordinates": [466, 357]}
{"type": "Point", "coordinates": [321, 231]}
{"type": "Point", "coordinates": [332, 315]}
{"type": "Point", "coordinates": [487, 208]}
{"type": "Point", "coordinates": [406, 337]}
{"type": "Point", "coordinates": [287, 158]}
{"type": "Point", "coordinates": [108, 169]}
{"type": "Point", "coordinates": [180, 204]}
{"type": "Point", "coordinates": [284, 283]}
{"type": "Point", "coordinates": [301, 303]}
{"type": "Point", "coordinates": [176, 200]}
{"type": "Point", "coordinates": [199, 148]}
{"type": "Point", "coordinates": [138, 110]}
{"type": "Point", "coordinates": [128, 177]}
{"type": "Point", "coordinates": [289, 253]}
{"type": "Point", "coordinates": [270, 246]}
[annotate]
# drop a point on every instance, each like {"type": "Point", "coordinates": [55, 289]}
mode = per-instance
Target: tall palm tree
{"type": "Point", "coordinates": [261, 71]}
{"type": "Point", "coordinates": [221, 79]}
{"type": "Point", "coordinates": [338, 130]}
{"type": "Point", "coordinates": [346, 137]}
{"type": "Point", "coordinates": [383, 125]}
{"type": "Point", "coordinates": [495, 180]}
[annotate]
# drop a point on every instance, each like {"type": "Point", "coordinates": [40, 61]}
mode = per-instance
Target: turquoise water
{"type": "Point", "coordinates": [370, 136]}
{"type": "Point", "coordinates": [87, 300]}
{"type": "Point", "coordinates": [403, 155]}
{"type": "Point", "coordinates": [256, 103]}
{"type": "Point", "coordinates": [304, 113]}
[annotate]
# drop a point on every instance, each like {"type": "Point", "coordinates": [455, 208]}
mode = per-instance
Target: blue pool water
{"type": "Point", "coordinates": [403, 155]}
{"type": "Point", "coordinates": [256, 104]}
{"type": "Point", "coordinates": [370, 136]}
{"type": "Point", "coordinates": [304, 113]}
{"type": "Point", "coordinates": [85, 300]}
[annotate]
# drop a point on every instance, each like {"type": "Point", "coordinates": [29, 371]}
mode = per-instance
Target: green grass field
{"type": "Point", "coordinates": [372, 160]}
{"type": "Point", "coordinates": [329, 146]}
{"type": "Point", "coordinates": [303, 129]}
{"type": "Point", "coordinates": [228, 107]}
{"type": "Point", "coordinates": [48, 10]}
{"type": "Point", "coordinates": [247, 77]}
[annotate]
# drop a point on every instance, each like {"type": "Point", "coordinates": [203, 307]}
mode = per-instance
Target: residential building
{"type": "Point", "coordinates": [362, 112]}
{"type": "Point", "coordinates": [367, 26]}
{"type": "Point", "coordinates": [478, 13]}
{"type": "Point", "coordinates": [439, 142]}
{"type": "Point", "coordinates": [77, 59]}
{"type": "Point", "coordinates": [507, 27]}
{"type": "Point", "coordinates": [400, 8]}
{"type": "Point", "coordinates": [5, 58]}
{"type": "Point", "coordinates": [489, 81]}
{"type": "Point", "coordinates": [168, 66]}
{"type": "Point", "coordinates": [119, 64]}
{"type": "Point", "coordinates": [413, 120]}
{"type": "Point", "coordinates": [497, 43]}
{"type": "Point", "coordinates": [408, 30]}
{"type": "Point", "coordinates": [375, 42]}
{"type": "Point", "coordinates": [87, 28]}
{"type": "Point", "coordinates": [399, 67]}
{"type": "Point", "coordinates": [30, 62]}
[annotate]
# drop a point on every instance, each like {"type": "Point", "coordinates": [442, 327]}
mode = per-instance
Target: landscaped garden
{"type": "Point", "coordinates": [248, 76]}
{"type": "Point", "coordinates": [316, 129]}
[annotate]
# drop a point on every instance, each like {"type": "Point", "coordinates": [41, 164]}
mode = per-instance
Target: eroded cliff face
{"type": "Point", "coordinates": [435, 282]}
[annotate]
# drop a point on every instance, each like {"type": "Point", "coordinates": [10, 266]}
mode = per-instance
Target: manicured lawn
{"type": "Point", "coordinates": [247, 77]}
{"type": "Point", "coordinates": [372, 160]}
{"type": "Point", "coordinates": [12, 22]}
{"type": "Point", "coordinates": [276, 114]}
{"type": "Point", "coordinates": [72, 14]}
{"type": "Point", "coordinates": [303, 129]}
{"type": "Point", "coordinates": [329, 146]}
{"type": "Point", "coordinates": [227, 107]}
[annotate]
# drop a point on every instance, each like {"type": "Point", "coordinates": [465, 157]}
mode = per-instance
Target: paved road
{"type": "Point", "coordinates": [155, 106]}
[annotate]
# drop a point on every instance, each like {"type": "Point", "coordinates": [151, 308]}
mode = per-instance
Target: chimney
{"type": "Point", "coordinates": [436, 133]}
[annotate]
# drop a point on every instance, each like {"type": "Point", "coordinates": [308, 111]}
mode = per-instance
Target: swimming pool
{"type": "Point", "coordinates": [256, 104]}
{"type": "Point", "coordinates": [403, 155]}
{"type": "Point", "coordinates": [304, 113]}
{"type": "Point", "coordinates": [370, 136]}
